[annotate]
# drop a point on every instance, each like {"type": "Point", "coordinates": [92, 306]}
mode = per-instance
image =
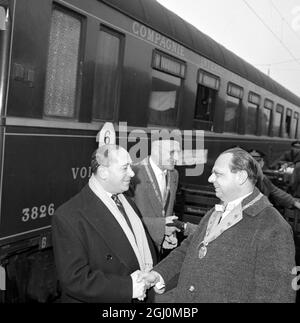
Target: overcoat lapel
{"type": "Point", "coordinates": [156, 203]}
{"type": "Point", "coordinates": [97, 214]}
{"type": "Point", "coordinates": [173, 186]}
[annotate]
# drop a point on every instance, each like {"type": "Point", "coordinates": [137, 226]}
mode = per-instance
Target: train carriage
{"type": "Point", "coordinates": [69, 66]}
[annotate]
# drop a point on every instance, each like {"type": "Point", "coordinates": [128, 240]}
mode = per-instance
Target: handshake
{"type": "Point", "coordinates": [143, 280]}
{"type": "Point", "coordinates": [173, 225]}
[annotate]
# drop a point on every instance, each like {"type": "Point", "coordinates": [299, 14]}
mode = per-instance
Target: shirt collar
{"type": "Point", "coordinates": [232, 204]}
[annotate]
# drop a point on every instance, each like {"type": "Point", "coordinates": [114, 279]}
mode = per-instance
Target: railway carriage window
{"type": "Point", "coordinates": [266, 119]}
{"type": "Point", "coordinates": [253, 105]}
{"type": "Point", "coordinates": [2, 18]}
{"type": "Point", "coordinates": [107, 74]}
{"type": "Point", "coordinates": [63, 63]}
{"type": "Point", "coordinates": [277, 121]}
{"type": "Point", "coordinates": [208, 86]}
{"type": "Point", "coordinates": [234, 99]}
{"type": "Point", "coordinates": [288, 123]}
{"type": "Point", "coordinates": [167, 75]}
{"type": "Point", "coordinates": [295, 125]}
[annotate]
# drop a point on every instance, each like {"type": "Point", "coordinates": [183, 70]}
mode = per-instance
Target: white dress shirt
{"type": "Point", "coordinates": [232, 204]}
{"type": "Point", "coordinates": [160, 177]}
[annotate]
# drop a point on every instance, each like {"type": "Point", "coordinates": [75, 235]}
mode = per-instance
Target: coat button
{"type": "Point", "coordinates": [192, 288]}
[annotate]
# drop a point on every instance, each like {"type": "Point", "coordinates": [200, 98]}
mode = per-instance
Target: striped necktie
{"type": "Point", "coordinates": [121, 209]}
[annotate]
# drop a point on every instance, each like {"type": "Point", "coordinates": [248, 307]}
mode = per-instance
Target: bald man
{"type": "Point", "coordinates": [100, 245]}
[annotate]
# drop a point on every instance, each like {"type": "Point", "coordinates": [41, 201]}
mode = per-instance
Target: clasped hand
{"type": "Point", "coordinates": [144, 280]}
{"type": "Point", "coordinates": [170, 227]}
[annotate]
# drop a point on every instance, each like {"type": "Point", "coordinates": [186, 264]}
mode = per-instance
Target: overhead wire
{"type": "Point", "coordinates": [273, 33]}
{"type": "Point", "coordinates": [281, 16]}
{"type": "Point", "coordinates": [279, 63]}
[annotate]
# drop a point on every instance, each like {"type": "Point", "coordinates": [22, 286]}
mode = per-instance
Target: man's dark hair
{"type": "Point", "coordinates": [256, 153]}
{"type": "Point", "coordinates": [241, 160]}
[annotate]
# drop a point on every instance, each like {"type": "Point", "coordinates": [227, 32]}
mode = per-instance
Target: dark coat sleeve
{"type": "Point", "coordinates": [275, 194]}
{"type": "Point", "coordinates": [170, 267]}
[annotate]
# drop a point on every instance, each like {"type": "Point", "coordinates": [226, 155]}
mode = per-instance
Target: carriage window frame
{"type": "Point", "coordinates": [3, 18]}
{"type": "Point", "coordinates": [288, 123]}
{"type": "Point", "coordinates": [232, 87]}
{"type": "Point", "coordinates": [278, 111]}
{"type": "Point", "coordinates": [296, 120]}
{"type": "Point", "coordinates": [208, 86]}
{"type": "Point", "coordinates": [158, 113]}
{"type": "Point", "coordinates": [160, 59]}
{"type": "Point", "coordinates": [172, 98]}
{"type": "Point", "coordinates": [254, 101]}
{"type": "Point", "coordinates": [235, 94]}
{"type": "Point", "coordinates": [268, 105]}
{"type": "Point", "coordinates": [121, 50]}
{"type": "Point", "coordinates": [254, 98]}
{"type": "Point", "coordinates": [78, 81]}
{"type": "Point", "coordinates": [201, 79]}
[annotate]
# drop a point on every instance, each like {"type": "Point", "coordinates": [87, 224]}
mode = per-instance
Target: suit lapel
{"type": "Point", "coordinates": [173, 184]}
{"type": "Point", "coordinates": [154, 200]}
{"type": "Point", "coordinates": [98, 215]}
{"type": "Point", "coordinates": [173, 187]}
{"type": "Point", "coordinates": [154, 180]}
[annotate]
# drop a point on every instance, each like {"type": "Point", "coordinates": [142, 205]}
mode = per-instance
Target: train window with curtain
{"type": "Point", "coordinates": [266, 117]}
{"type": "Point", "coordinates": [288, 123]}
{"type": "Point", "coordinates": [252, 119]}
{"type": "Point", "coordinates": [295, 125]}
{"type": "Point", "coordinates": [61, 93]}
{"type": "Point", "coordinates": [2, 18]}
{"type": "Point", "coordinates": [232, 109]}
{"type": "Point", "coordinates": [277, 122]}
{"type": "Point", "coordinates": [208, 87]}
{"type": "Point", "coordinates": [167, 76]}
{"type": "Point", "coordinates": [109, 63]}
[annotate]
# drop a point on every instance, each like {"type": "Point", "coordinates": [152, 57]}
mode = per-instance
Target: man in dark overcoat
{"type": "Point", "coordinates": [100, 244]}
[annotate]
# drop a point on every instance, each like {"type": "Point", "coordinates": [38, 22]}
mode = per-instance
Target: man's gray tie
{"type": "Point", "coordinates": [122, 210]}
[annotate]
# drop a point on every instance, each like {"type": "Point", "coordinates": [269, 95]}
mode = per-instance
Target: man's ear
{"type": "Point", "coordinates": [102, 172]}
{"type": "Point", "coordinates": [242, 177]}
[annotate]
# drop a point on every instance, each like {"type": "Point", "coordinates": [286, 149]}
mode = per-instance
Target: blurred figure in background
{"type": "Point", "coordinates": [291, 160]}
{"type": "Point", "coordinates": [265, 185]}
{"type": "Point", "coordinates": [290, 156]}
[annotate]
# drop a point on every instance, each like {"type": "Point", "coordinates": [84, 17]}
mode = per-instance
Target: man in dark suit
{"type": "Point", "coordinates": [272, 192]}
{"type": "Point", "coordinates": [100, 244]}
{"type": "Point", "coordinates": [242, 251]}
{"type": "Point", "coordinates": [291, 158]}
{"type": "Point", "coordinates": [154, 191]}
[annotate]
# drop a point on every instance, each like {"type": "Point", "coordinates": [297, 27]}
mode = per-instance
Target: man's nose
{"type": "Point", "coordinates": [211, 178]}
{"type": "Point", "coordinates": [130, 172]}
{"type": "Point", "coordinates": [176, 156]}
